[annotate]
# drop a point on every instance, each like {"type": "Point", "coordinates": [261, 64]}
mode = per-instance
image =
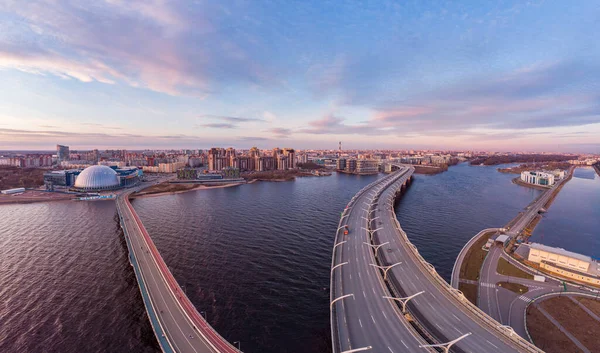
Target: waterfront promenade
{"type": "Point", "coordinates": [177, 324]}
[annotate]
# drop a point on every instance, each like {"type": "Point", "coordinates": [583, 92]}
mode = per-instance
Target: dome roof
{"type": "Point", "coordinates": [97, 177]}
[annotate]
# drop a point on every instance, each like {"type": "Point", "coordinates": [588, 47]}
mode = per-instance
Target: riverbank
{"type": "Point", "coordinates": [429, 170]}
{"type": "Point", "coordinates": [518, 181]}
{"type": "Point", "coordinates": [32, 196]}
{"type": "Point", "coordinates": [280, 175]}
{"type": "Point", "coordinates": [167, 188]}
{"type": "Point", "coordinates": [532, 166]}
{"type": "Point", "coordinates": [354, 173]}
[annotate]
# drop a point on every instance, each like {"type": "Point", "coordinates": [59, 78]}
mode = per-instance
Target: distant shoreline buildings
{"type": "Point", "coordinates": [542, 178]}
{"type": "Point", "coordinates": [252, 160]}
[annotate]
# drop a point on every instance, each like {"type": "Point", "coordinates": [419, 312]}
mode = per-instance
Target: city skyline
{"type": "Point", "coordinates": [415, 75]}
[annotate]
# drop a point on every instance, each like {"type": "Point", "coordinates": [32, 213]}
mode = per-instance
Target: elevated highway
{"type": "Point", "coordinates": [375, 263]}
{"type": "Point", "coordinates": [176, 323]}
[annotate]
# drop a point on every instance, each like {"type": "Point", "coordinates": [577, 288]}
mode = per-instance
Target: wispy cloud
{"type": "Point", "coordinates": [71, 40]}
{"type": "Point", "coordinates": [331, 124]}
{"type": "Point", "coordinates": [252, 138]}
{"type": "Point", "coordinates": [231, 119]}
{"type": "Point", "coordinates": [280, 131]}
{"type": "Point", "coordinates": [217, 126]}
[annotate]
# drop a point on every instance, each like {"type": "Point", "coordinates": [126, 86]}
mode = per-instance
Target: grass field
{"type": "Point", "coordinates": [575, 320]}
{"type": "Point", "coordinates": [469, 290]}
{"type": "Point", "coordinates": [469, 269]}
{"type": "Point", "coordinates": [547, 336]}
{"type": "Point", "coordinates": [592, 304]}
{"type": "Point", "coordinates": [508, 269]}
{"type": "Point", "coordinates": [514, 287]}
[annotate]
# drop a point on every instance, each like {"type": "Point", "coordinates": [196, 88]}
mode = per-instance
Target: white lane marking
{"type": "Point", "coordinates": [440, 327]}
{"type": "Point", "coordinates": [364, 295]}
{"type": "Point", "coordinates": [359, 275]}
{"type": "Point", "coordinates": [456, 317]}
{"type": "Point", "coordinates": [360, 322]}
{"type": "Point", "coordinates": [372, 318]}
{"type": "Point", "coordinates": [390, 349]}
{"type": "Point", "coordinates": [404, 343]}
{"type": "Point", "coordinates": [383, 312]}
{"type": "Point", "coordinates": [492, 344]}
{"type": "Point", "coordinates": [350, 275]}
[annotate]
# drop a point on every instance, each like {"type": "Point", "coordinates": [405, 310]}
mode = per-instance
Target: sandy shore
{"type": "Point", "coordinates": [31, 196]}
{"type": "Point", "coordinates": [171, 189]}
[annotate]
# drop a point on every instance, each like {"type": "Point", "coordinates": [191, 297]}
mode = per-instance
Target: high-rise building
{"type": "Point", "coordinates": [217, 159]}
{"type": "Point", "coordinates": [351, 165]}
{"type": "Point", "coordinates": [290, 154]}
{"type": "Point", "coordinates": [62, 153]}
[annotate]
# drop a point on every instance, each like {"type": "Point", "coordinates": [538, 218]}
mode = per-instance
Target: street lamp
{"type": "Point", "coordinates": [338, 265]}
{"type": "Point", "coordinates": [405, 300]}
{"type": "Point", "coordinates": [445, 346]}
{"type": "Point", "coordinates": [358, 349]}
{"type": "Point", "coordinates": [376, 247]}
{"type": "Point", "coordinates": [340, 298]}
{"type": "Point", "coordinates": [386, 268]}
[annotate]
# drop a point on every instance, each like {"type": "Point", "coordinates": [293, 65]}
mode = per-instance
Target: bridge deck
{"type": "Point", "coordinates": [365, 321]}
{"type": "Point", "coordinates": [177, 324]}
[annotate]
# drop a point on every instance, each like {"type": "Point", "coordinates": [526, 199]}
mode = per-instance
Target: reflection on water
{"type": "Point", "coordinates": [256, 258]}
{"type": "Point", "coordinates": [573, 220]}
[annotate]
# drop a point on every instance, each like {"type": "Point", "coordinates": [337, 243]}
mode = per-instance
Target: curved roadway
{"type": "Point", "coordinates": [369, 320]}
{"type": "Point", "coordinates": [176, 323]}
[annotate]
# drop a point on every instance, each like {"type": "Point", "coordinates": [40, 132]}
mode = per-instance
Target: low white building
{"type": "Point", "coordinates": [12, 191]}
{"type": "Point", "coordinates": [538, 178]}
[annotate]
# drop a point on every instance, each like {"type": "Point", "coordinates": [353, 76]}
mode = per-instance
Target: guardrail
{"type": "Point", "coordinates": [456, 268]}
{"type": "Point", "coordinates": [334, 259]}
{"type": "Point", "coordinates": [210, 335]}
{"type": "Point", "coordinates": [490, 323]}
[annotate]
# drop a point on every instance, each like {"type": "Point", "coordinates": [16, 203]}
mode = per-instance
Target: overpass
{"type": "Point", "coordinates": [386, 298]}
{"type": "Point", "coordinates": [175, 321]}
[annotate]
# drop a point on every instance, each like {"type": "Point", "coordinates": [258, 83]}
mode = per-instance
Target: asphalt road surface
{"type": "Point", "coordinates": [366, 320]}
{"type": "Point", "coordinates": [177, 324]}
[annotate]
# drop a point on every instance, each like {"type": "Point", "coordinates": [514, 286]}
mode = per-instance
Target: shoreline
{"type": "Point", "coordinates": [194, 188]}
{"type": "Point", "coordinates": [518, 181]}
{"type": "Point", "coordinates": [527, 230]}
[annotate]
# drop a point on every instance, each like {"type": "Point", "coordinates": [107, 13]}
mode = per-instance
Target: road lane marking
{"type": "Point", "coordinates": [360, 322]}
{"type": "Point", "coordinates": [383, 312]}
{"type": "Point", "coordinates": [390, 349]}
{"type": "Point", "coordinates": [404, 343]}
{"type": "Point", "coordinates": [492, 344]}
{"type": "Point", "coordinates": [372, 318]}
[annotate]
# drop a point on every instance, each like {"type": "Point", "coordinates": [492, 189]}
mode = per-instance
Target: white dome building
{"type": "Point", "coordinates": [97, 178]}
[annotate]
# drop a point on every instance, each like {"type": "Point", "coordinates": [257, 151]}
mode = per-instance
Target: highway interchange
{"type": "Point", "coordinates": [365, 320]}
{"type": "Point", "coordinates": [505, 306]}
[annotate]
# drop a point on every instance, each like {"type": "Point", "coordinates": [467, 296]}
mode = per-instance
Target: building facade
{"type": "Point", "coordinates": [62, 153]}
{"type": "Point", "coordinates": [538, 178]}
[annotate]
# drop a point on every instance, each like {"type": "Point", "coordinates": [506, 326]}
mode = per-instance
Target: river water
{"type": "Point", "coordinates": [255, 258]}
{"type": "Point", "coordinates": [573, 220]}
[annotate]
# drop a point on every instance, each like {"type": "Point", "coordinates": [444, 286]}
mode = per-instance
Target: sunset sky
{"type": "Point", "coordinates": [305, 74]}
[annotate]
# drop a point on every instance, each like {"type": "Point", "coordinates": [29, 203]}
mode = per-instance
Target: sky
{"type": "Point", "coordinates": [495, 75]}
